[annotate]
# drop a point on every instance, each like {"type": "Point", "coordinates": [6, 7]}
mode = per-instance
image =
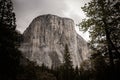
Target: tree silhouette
{"type": "Point", "coordinates": [9, 41]}
{"type": "Point", "coordinates": [67, 58]}
{"type": "Point", "coordinates": [67, 68]}
{"type": "Point", "coordinates": [103, 25]}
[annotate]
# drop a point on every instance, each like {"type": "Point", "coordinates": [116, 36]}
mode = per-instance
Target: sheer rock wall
{"type": "Point", "coordinates": [45, 40]}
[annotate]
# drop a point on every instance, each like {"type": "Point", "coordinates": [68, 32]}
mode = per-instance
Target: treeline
{"type": "Point", "coordinates": [14, 66]}
{"type": "Point", "coordinates": [103, 64]}
{"type": "Point", "coordinates": [31, 71]}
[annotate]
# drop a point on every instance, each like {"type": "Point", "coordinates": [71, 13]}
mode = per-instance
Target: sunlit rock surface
{"type": "Point", "coordinates": [45, 40]}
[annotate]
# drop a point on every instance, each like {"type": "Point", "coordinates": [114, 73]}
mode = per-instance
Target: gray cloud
{"type": "Point", "coordinates": [27, 10]}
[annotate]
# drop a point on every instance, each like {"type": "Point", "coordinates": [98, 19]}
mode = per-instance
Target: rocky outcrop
{"type": "Point", "coordinates": [45, 40]}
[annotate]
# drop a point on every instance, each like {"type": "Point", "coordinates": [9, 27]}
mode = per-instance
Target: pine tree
{"type": "Point", "coordinates": [9, 41]}
{"type": "Point", "coordinates": [67, 69]}
{"type": "Point", "coordinates": [67, 58]}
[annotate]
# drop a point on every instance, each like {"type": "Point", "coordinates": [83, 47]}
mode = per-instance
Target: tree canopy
{"type": "Point", "coordinates": [103, 24]}
{"type": "Point", "coordinates": [104, 27]}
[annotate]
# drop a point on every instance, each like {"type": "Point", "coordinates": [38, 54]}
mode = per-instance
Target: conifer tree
{"type": "Point", "coordinates": [67, 65]}
{"type": "Point", "coordinates": [67, 58]}
{"type": "Point", "coordinates": [9, 41]}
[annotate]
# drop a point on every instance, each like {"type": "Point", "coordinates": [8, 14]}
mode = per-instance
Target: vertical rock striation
{"type": "Point", "coordinates": [45, 40]}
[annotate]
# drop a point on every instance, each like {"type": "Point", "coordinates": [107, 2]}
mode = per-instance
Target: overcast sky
{"type": "Point", "coordinates": [27, 10]}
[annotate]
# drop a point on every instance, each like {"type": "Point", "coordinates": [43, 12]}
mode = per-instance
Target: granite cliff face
{"type": "Point", "coordinates": [45, 40]}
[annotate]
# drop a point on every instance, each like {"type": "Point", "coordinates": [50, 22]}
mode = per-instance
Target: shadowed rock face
{"type": "Point", "coordinates": [45, 40]}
